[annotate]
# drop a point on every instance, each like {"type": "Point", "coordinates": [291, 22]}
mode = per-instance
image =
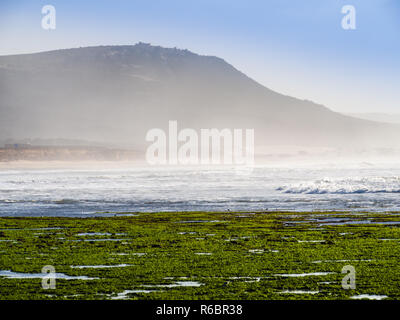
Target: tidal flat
{"type": "Point", "coordinates": [202, 255]}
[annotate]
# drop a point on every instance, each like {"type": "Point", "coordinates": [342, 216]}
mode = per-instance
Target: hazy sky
{"type": "Point", "coordinates": [296, 47]}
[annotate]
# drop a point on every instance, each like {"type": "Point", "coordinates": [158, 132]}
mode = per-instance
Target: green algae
{"type": "Point", "coordinates": [200, 255]}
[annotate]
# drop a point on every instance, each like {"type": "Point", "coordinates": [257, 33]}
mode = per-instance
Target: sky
{"type": "Point", "coordinates": [295, 47]}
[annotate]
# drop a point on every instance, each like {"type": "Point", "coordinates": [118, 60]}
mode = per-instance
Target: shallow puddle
{"type": "Point", "coordinates": [353, 260]}
{"type": "Point", "coordinates": [32, 229]}
{"type": "Point", "coordinates": [257, 251]}
{"type": "Point", "coordinates": [102, 266]}
{"type": "Point", "coordinates": [369, 296]}
{"type": "Point", "coordinates": [202, 221]}
{"type": "Point", "coordinates": [177, 284]}
{"type": "Point", "coordinates": [124, 295]}
{"type": "Point", "coordinates": [247, 279]}
{"type": "Point", "coordinates": [88, 240]}
{"type": "Point", "coordinates": [94, 234]}
{"type": "Point", "coordinates": [19, 275]}
{"type": "Point", "coordinates": [299, 292]}
{"type": "Point", "coordinates": [303, 274]}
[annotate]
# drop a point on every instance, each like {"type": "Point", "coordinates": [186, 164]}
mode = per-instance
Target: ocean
{"type": "Point", "coordinates": [102, 192]}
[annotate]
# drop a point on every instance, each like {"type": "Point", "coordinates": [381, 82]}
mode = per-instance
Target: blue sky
{"type": "Point", "coordinates": [296, 47]}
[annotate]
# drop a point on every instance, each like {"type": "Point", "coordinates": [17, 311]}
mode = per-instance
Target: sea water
{"type": "Point", "coordinates": [91, 192]}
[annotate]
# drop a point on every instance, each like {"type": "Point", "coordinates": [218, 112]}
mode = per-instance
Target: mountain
{"type": "Point", "coordinates": [379, 117]}
{"type": "Point", "coordinates": [115, 94]}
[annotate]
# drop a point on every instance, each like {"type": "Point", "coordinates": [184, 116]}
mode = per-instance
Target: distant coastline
{"type": "Point", "coordinates": [18, 152]}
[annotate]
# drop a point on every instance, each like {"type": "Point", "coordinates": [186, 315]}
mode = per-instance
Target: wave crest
{"type": "Point", "coordinates": [354, 185]}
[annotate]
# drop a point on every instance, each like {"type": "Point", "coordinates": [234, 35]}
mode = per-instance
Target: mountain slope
{"type": "Point", "coordinates": [116, 94]}
{"type": "Point", "coordinates": [379, 117]}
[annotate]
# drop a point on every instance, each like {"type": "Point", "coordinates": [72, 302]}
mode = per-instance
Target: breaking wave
{"type": "Point", "coordinates": [355, 185]}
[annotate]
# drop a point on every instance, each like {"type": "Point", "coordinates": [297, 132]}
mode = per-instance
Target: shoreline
{"type": "Point", "coordinates": [102, 215]}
